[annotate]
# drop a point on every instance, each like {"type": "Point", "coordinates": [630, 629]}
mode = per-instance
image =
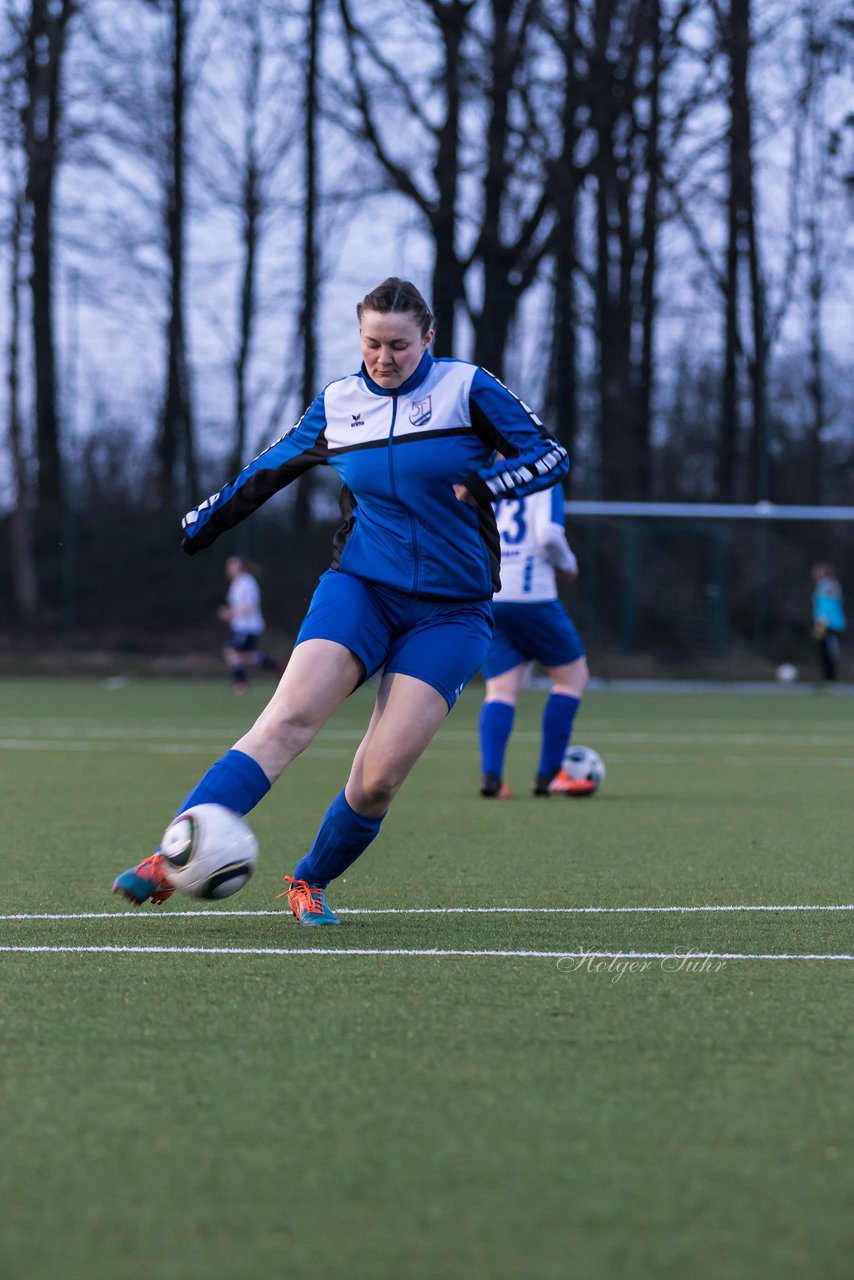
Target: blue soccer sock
{"type": "Point", "coordinates": [496, 725]}
{"type": "Point", "coordinates": [558, 715]}
{"type": "Point", "coordinates": [342, 837]}
{"type": "Point", "coordinates": [236, 781]}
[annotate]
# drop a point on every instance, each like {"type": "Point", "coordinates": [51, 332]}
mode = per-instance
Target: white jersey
{"type": "Point", "coordinates": [533, 545]}
{"type": "Point", "coordinates": [244, 601]}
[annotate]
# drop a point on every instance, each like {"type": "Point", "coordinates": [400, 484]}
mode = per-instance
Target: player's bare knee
{"type": "Point", "coordinates": [291, 724]}
{"type": "Point", "coordinates": [378, 789]}
{"type": "Point", "coordinates": [571, 679]}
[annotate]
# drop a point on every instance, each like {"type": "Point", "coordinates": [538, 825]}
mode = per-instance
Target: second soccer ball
{"type": "Point", "coordinates": [584, 765]}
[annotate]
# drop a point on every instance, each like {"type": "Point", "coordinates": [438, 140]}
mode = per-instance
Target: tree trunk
{"type": "Point", "coordinates": [742, 125]}
{"type": "Point", "coordinates": [815, 383]}
{"type": "Point", "coordinates": [23, 562]}
{"type": "Point", "coordinates": [499, 300]}
{"type": "Point", "coordinates": [626, 173]}
{"type": "Point", "coordinates": [447, 284]}
{"type": "Point", "coordinates": [46, 41]}
{"type": "Point", "coordinates": [310, 265]}
{"type": "Point", "coordinates": [741, 251]}
{"type": "Point", "coordinates": [250, 211]}
{"type": "Point", "coordinates": [649, 252]}
{"type": "Point", "coordinates": [176, 445]}
{"type": "Point", "coordinates": [561, 395]}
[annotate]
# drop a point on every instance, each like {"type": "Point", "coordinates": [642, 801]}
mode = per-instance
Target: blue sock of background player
{"type": "Point", "coordinates": [558, 717]}
{"type": "Point", "coordinates": [495, 725]}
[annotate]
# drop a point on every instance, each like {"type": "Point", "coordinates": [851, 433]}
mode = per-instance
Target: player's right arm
{"type": "Point", "coordinates": [303, 447]}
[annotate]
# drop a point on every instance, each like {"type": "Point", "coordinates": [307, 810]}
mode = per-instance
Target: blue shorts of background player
{"type": "Point", "coordinates": [244, 649]}
{"type": "Point", "coordinates": [524, 633]}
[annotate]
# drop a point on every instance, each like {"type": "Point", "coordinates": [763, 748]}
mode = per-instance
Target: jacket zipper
{"type": "Point", "coordinates": [393, 487]}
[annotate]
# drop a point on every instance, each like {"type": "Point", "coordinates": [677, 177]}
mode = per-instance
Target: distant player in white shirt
{"type": "Point", "coordinates": [532, 625]}
{"type": "Point", "coordinates": [242, 612]}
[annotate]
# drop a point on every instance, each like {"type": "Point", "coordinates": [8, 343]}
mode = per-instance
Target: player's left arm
{"type": "Point", "coordinates": [551, 535]}
{"type": "Point", "coordinates": [531, 459]}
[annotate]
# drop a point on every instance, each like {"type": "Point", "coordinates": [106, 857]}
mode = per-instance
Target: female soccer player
{"type": "Point", "coordinates": [242, 612]}
{"type": "Point", "coordinates": [531, 625]}
{"type": "Point", "coordinates": [414, 440]}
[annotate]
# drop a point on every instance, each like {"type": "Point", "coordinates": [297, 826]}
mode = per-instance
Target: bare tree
{"type": "Point", "coordinates": [238, 170]}
{"type": "Point", "coordinates": [625, 66]}
{"type": "Point", "coordinates": [742, 247]}
{"type": "Point", "coordinates": [311, 271]}
{"type": "Point", "coordinates": [827, 47]}
{"type": "Point", "coordinates": [22, 559]}
{"type": "Point", "coordinates": [378, 82]}
{"type": "Point", "coordinates": [138, 68]}
{"type": "Point", "coordinates": [176, 442]}
{"type": "Point", "coordinates": [46, 37]}
{"type": "Point", "coordinates": [561, 386]}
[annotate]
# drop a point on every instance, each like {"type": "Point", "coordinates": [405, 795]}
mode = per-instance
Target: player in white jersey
{"type": "Point", "coordinates": [532, 625]}
{"type": "Point", "coordinates": [242, 612]}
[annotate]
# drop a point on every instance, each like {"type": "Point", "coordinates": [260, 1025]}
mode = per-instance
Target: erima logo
{"type": "Point", "coordinates": [356, 420]}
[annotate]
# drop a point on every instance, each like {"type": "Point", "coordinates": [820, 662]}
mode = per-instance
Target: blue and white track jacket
{"type": "Point", "coordinates": [399, 452]}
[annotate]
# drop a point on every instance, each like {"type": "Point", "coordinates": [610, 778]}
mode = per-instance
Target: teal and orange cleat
{"type": "Point", "coordinates": [145, 882]}
{"type": "Point", "coordinates": [308, 902]}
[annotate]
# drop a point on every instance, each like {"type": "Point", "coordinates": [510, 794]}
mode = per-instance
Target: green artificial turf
{"type": "Point", "coordinates": [174, 1116]}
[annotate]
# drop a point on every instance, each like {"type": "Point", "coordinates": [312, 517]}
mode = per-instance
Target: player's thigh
{"type": "Point", "coordinates": [407, 714]}
{"type": "Point", "coordinates": [349, 612]}
{"type": "Point", "coordinates": [318, 677]}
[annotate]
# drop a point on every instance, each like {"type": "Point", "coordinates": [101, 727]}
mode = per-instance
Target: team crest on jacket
{"type": "Point", "coordinates": [421, 412]}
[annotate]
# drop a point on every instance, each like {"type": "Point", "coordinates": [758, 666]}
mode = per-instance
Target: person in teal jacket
{"type": "Point", "coordinates": [828, 618]}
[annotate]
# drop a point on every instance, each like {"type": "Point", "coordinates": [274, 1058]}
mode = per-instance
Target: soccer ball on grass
{"type": "Point", "coordinates": [584, 765]}
{"type": "Point", "coordinates": [209, 851]}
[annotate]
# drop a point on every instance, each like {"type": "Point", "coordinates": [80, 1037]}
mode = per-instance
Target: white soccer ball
{"type": "Point", "coordinates": [786, 673]}
{"type": "Point", "coordinates": [583, 764]}
{"type": "Point", "coordinates": [209, 851]}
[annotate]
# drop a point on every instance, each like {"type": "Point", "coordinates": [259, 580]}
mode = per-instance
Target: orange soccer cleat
{"type": "Point", "coordinates": [308, 902]}
{"type": "Point", "coordinates": [562, 784]}
{"type": "Point", "coordinates": [145, 882]}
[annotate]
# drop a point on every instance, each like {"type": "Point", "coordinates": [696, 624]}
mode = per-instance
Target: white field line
{"type": "Point", "coordinates": [436, 751]}
{"type": "Point", "coordinates": [208, 914]}
{"type": "Point", "coordinates": [15, 731]}
{"type": "Point", "coordinates": [784, 732]}
{"type": "Point", "coordinates": [685, 957]}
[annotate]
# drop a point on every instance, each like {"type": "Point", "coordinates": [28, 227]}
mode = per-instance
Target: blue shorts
{"type": "Point", "coordinates": [243, 641]}
{"type": "Point", "coordinates": [528, 633]}
{"type": "Point", "coordinates": [441, 643]}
